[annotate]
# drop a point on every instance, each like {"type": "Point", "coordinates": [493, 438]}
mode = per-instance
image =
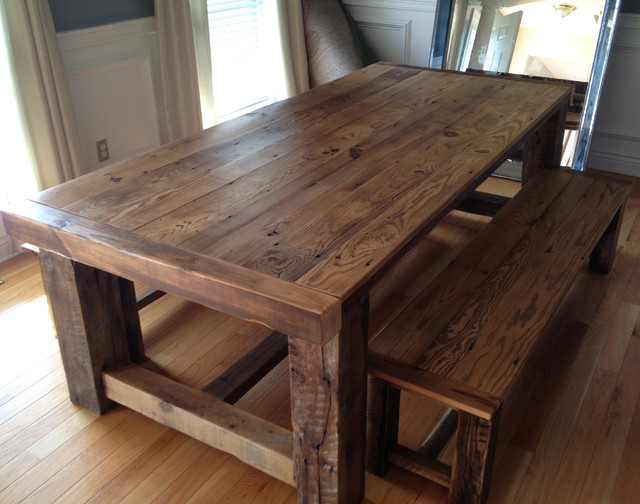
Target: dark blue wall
{"type": "Point", "coordinates": [74, 14]}
{"type": "Point", "coordinates": [632, 6]}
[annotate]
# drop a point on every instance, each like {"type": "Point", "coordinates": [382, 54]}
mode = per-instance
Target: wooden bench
{"type": "Point", "coordinates": [463, 341]}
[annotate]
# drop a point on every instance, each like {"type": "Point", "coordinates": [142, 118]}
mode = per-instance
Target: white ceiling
{"type": "Point", "coordinates": [594, 5]}
{"type": "Point", "coordinates": [541, 15]}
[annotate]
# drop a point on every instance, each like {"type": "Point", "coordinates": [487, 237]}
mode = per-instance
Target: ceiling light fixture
{"type": "Point", "coordinates": [564, 9]}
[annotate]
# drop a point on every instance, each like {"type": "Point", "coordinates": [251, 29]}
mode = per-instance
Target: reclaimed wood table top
{"type": "Point", "coordinates": [317, 191]}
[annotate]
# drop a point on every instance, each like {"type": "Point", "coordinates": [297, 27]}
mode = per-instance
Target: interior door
{"type": "Point", "coordinates": [503, 40]}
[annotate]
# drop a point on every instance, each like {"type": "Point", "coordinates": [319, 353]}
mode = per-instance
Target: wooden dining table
{"type": "Point", "coordinates": [286, 216]}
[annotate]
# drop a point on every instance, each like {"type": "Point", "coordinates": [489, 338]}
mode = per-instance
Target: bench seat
{"type": "Point", "coordinates": [465, 338]}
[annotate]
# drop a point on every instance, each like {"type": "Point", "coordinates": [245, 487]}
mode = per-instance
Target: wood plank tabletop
{"type": "Point", "coordinates": [324, 188]}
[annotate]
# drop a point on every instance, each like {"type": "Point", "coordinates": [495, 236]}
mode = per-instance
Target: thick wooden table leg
{"type": "Point", "coordinates": [96, 322]}
{"type": "Point", "coordinates": [473, 461]}
{"type": "Point", "coordinates": [544, 147]}
{"type": "Point", "coordinates": [328, 401]}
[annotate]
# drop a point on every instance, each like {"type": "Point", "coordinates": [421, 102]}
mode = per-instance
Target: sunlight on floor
{"type": "Point", "coordinates": [26, 334]}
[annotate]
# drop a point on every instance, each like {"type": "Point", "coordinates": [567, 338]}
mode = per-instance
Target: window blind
{"type": "Point", "coordinates": [239, 31]}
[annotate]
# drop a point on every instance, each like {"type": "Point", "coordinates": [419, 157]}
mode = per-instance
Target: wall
{"type": "Point", "coordinates": [574, 53]}
{"type": "Point", "coordinates": [76, 14]}
{"type": "Point", "coordinates": [399, 31]}
{"type": "Point", "coordinates": [112, 72]}
{"type": "Point", "coordinates": [109, 52]}
{"type": "Point", "coordinates": [615, 144]}
{"type": "Point", "coordinates": [630, 6]}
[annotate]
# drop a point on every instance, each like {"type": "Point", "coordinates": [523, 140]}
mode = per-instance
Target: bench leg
{"type": "Point", "coordinates": [604, 253]}
{"type": "Point", "coordinates": [383, 411]}
{"type": "Point", "coordinates": [96, 322]}
{"type": "Point", "coordinates": [473, 461]}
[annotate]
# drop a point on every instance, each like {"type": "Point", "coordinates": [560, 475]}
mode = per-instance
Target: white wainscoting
{"type": "Point", "coordinates": [615, 145]}
{"type": "Point", "coordinates": [8, 247]}
{"type": "Point", "coordinates": [111, 70]}
{"type": "Point", "coordinates": [399, 31]}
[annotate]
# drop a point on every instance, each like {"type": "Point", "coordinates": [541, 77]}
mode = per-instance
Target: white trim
{"type": "Point", "coordinates": [8, 248]}
{"type": "Point", "coordinates": [401, 26]}
{"type": "Point", "coordinates": [87, 37]}
{"type": "Point", "coordinates": [619, 134]}
{"type": "Point", "coordinates": [614, 162]}
{"type": "Point", "coordinates": [111, 53]}
{"type": "Point", "coordinates": [615, 145]}
{"type": "Point", "coordinates": [411, 5]}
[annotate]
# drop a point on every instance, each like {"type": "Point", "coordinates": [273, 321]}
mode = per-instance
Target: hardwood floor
{"type": "Point", "coordinates": [577, 441]}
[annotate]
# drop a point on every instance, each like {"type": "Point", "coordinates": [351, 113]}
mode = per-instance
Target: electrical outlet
{"type": "Point", "coordinates": [103, 150]}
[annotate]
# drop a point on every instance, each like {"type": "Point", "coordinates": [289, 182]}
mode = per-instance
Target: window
{"type": "Point", "coordinates": [16, 172]}
{"type": "Point", "coordinates": [245, 55]}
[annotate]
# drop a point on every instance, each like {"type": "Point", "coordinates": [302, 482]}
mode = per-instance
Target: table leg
{"type": "Point", "coordinates": [96, 321]}
{"type": "Point", "coordinates": [473, 461]}
{"type": "Point", "coordinates": [328, 401]}
{"type": "Point", "coordinates": [544, 146]}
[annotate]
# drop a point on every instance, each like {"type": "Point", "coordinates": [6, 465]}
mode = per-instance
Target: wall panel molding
{"type": "Point", "coordinates": [399, 31]}
{"type": "Point", "coordinates": [393, 36]}
{"type": "Point", "coordinates": [8, 247]}
{"type": "Point", "coordinates": [410, 5]}
{"type": "Point", "coordinates": [615, 145]}
{"type": "Point", "coordinates": [112, 71]}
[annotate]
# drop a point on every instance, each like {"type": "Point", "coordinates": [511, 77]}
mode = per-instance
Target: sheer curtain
{"type": "Point", "coordinates": [293, 46]}
{"type": "Point", "coordinates": [184, 75]}
{"type": "Point", "coordinates": [39, 138]}
{"type": "Point", "coordinates": [42, 93]}
{"type": "Point", "coordinates": [17, 168]}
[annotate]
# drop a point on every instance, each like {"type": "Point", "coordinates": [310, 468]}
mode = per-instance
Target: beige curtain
{"type": "Point", "coordinates": [292, 41]}
{"type": "Point", "coordinates": [180, 105]}
{"type": "Point", "coordinates": [202, 47]}
{"type": "Point", "coordinates": [43, 92]}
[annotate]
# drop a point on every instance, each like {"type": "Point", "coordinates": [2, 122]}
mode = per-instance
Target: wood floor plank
{"type": "Point", "coordinates": [550, 450]}
{"type": "Point", "coordinates": [627, 482]}
{"type": "Point", "coordinates": [46, 479]}
{"type": "Point", "coordinates": [19, 381]}
{"type": "Point", "coordinates": [26, 423]}
{"type": "Point", "coordinates": [600, 325]}
{"type": "Point", "coordinates": [583, 442]}
{"type": "Point", "coordinates": [66, 430]}
{"type": "Point", "coordinates": [102, 473]}
{"type": "Point", "coordinates": [601, 477]}
{"type": "Point", "coordinates": [139, 468]}
{"type": "Point", "coordinates": [219, 484]}
{"type": "Point", "coordinates": [508, 475]}
{"type": "Point", "coordinates": [183, 485]}
{"type": "Point", "coordinates": [621, 329]}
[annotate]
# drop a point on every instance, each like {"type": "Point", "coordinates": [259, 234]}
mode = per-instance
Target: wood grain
{"type": "Point", "coordinates": [286, 307]}
{"type": "Point", "coordinates": [101, 301]}
{"type": "Point", "coordinates": [203, 417]}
